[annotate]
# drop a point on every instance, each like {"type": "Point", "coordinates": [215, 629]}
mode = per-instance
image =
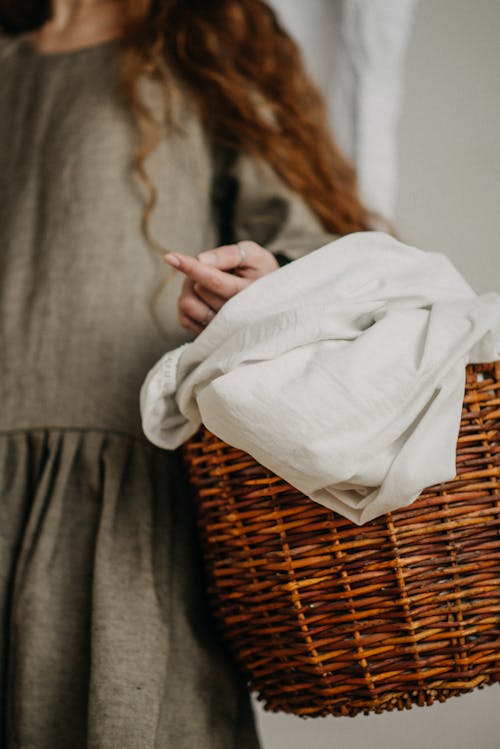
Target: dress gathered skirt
{"type": "Point", "coordinates": [106, 639]}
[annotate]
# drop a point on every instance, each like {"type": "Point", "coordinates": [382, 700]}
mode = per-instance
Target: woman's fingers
{"type": "Point", "coordinates": [244, 254]}
{"type": "Point", "coordinates": [216, 281]}
{"type": "Point", "coordinates": [213, 300]}
{"type": "Point", "coordinates": [194, 313]}
{"type": "Point", "coordinates": [190, 325]}
{"type": "Point", "coordinates": [208, 284]}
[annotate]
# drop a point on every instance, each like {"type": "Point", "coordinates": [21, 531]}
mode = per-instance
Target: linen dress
{"type": "Point", "coordinates": [106, 640]}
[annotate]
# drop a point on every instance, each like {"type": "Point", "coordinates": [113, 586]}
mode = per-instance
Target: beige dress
{"type": "Point", "coordinates": [106, 640]}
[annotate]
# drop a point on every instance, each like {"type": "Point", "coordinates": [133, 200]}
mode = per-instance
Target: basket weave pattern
{"type": "Point", "coordinates": [325, 617]}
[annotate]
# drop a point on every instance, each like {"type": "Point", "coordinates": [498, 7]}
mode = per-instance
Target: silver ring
{"type": "Point", "coordinates": [209, 316]}
{"type": "Point", "coordinates": [243, 254]}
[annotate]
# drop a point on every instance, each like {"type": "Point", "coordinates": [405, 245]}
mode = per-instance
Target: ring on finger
{"type": "Point", "coordinates": [209, 316]}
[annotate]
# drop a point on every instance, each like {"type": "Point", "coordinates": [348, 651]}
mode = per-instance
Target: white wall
{"type": "Point", "coordinates": [449, 137]}
{"type": "Point", "coordinates": [449, 201]}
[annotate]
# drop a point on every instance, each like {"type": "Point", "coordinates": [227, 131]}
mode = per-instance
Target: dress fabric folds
{"type": "Point", "coordinates": [107, 639]}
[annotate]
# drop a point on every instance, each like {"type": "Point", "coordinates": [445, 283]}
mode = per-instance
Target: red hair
{"type": "Point", "coordinates": [253, 92]}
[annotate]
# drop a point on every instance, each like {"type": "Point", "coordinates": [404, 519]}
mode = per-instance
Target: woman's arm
{"type": "Point", "coordinates": [250, 202]}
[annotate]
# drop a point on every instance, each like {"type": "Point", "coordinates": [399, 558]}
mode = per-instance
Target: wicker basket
{"type": "Point", "coordinates": [329, 618]}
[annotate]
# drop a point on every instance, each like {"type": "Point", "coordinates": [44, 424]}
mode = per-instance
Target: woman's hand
{"type": "Point", "coordinates": [214, 276]}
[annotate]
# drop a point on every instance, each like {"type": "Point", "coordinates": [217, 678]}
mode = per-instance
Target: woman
{"type": "Point", "coordinates": [129, 129]}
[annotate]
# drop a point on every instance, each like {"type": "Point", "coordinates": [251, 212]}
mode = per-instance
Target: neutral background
{"type": "Point", "coordinates": [448, 201]}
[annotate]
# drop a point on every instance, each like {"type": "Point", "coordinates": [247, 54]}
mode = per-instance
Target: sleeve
{"type": "Point", "coordinates": [252, 202]}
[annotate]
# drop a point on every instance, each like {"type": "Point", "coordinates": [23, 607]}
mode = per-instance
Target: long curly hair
{"type": "Point", "coordinates": [248, 78]}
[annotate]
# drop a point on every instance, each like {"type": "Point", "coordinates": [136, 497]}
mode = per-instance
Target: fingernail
{"type": "Point", "coordinates": [172, 259]}
{"type": "Point", "coordinates": [207, 257]}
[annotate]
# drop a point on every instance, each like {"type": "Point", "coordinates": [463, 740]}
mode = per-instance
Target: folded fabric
{"type": "Point", "coordinates": [342, 372]}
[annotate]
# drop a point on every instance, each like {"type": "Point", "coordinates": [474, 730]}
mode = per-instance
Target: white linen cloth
{"type": "Point", "coordinates": [342, 372]}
